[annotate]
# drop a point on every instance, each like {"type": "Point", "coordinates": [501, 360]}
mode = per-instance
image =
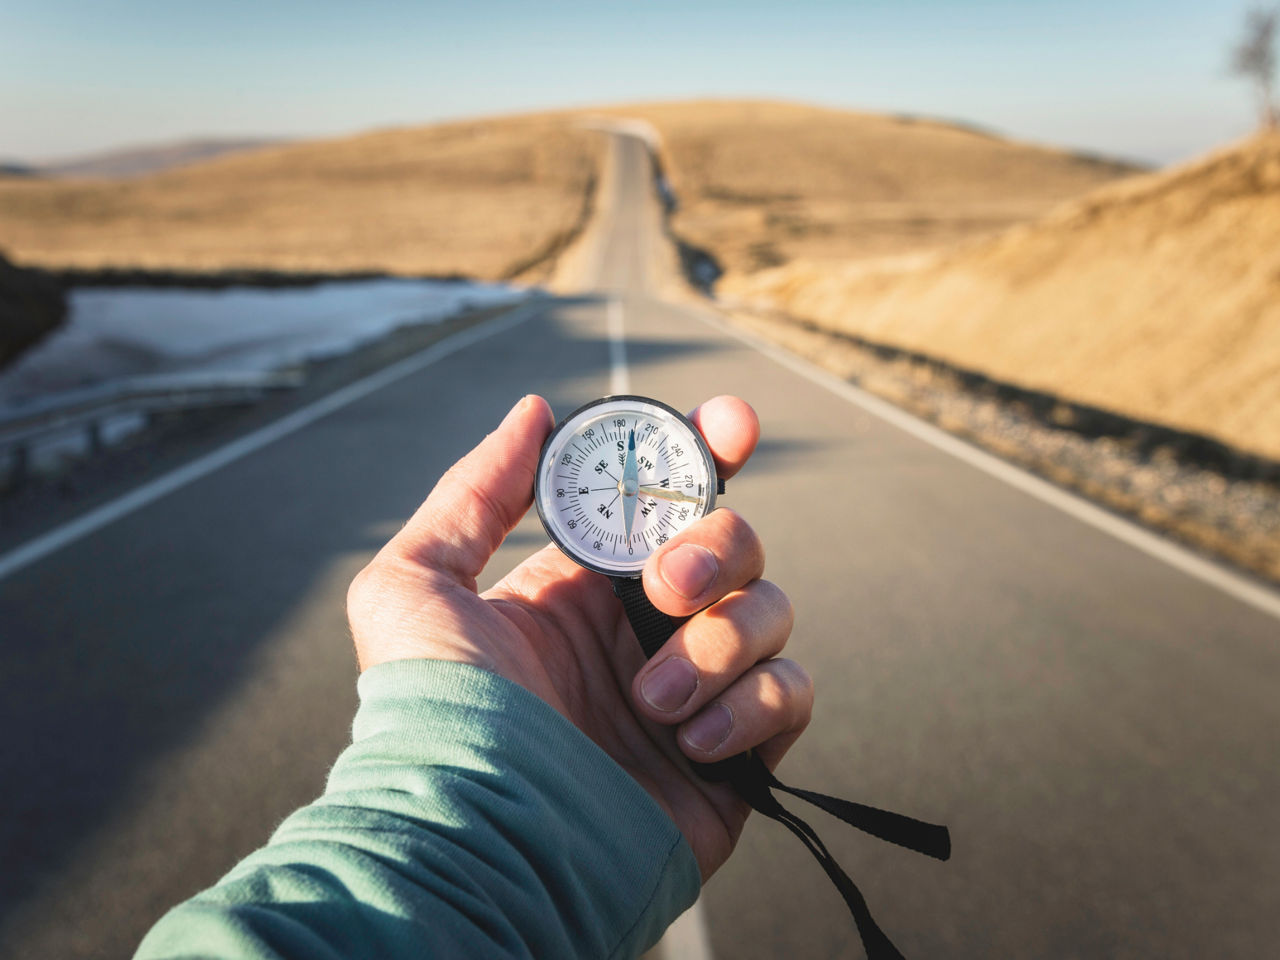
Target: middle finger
{"type": "Point", "coordinates": [707, 654]}
{"type": "Point", "coordinates": [717, 555]}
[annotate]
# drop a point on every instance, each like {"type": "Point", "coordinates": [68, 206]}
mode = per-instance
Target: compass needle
{"type": "Point", "coordinates": [629, 485]}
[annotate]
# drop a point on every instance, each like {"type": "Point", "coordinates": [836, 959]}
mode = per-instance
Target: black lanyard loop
{"type": "Point", "coordinates": [755, 784]}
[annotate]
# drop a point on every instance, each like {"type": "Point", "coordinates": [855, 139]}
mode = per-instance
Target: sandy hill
{"type": "Point", "coordinates": [762, 183]}
{"type": "Point", "coordinates": [1158, 297]}
{"type": "Point", "coordinates": [489, 199]}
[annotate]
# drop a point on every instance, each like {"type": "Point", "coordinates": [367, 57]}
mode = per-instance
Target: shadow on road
{"type": "Point", "coordinates": [122, 648]}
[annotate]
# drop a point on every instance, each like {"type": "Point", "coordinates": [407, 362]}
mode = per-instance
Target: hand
{"type": "Point", "coordinates": [558, 630]}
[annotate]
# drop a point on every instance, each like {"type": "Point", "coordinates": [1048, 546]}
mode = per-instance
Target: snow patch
{"type": "Point", "coordinates": [128, 331]}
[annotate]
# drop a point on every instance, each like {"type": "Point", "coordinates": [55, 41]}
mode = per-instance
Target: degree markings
{"type": "Point", "coordinates": [651, 443]}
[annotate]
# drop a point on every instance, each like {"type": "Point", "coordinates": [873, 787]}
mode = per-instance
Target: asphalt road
{"type": "Point", "coordinates": [1100, 730]}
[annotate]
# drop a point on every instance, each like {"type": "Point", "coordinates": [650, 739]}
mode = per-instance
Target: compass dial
{"type": "Point", "coordinates": [620, 477]}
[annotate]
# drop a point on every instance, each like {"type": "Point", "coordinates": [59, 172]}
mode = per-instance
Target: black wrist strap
{"type": "Point", "coordinates": [755, 784]}
{"type": "Point", "coordinates": [653, 627]}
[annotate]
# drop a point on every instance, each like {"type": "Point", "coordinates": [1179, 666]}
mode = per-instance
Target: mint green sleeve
{"type": "Point", "coordinates": [467, 819]}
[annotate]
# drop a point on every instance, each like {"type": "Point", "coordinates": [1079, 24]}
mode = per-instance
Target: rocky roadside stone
{"type": "Point", "coordinates": [31, 305]}
{"type": "Point", "coordinates": [1234, 519]}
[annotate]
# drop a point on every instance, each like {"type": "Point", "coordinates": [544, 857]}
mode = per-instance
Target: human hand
{"type": "Point", "coordinates": [558, 630]}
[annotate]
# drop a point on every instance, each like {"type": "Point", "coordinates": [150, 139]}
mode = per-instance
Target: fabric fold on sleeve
{"type": "Point", "coordinates": [468, 818]}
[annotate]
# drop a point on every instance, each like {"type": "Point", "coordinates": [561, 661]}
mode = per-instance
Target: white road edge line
{"type": "Point", "coordinates": [162, 486]}
{"type": "Point", "coordinates": [619, 377]}
{"type": "Point", "coordinates": [1178, 557]}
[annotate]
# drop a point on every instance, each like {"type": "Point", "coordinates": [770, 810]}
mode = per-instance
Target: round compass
{"type": "Point", "coordinates": [618, 478]}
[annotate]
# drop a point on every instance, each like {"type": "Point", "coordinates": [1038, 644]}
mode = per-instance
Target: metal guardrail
{"type": "Point", "coordinates": [29, 424]}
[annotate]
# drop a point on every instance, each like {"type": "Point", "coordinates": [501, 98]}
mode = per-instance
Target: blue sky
{"type": "Point", "coordinates": [1135, 78]}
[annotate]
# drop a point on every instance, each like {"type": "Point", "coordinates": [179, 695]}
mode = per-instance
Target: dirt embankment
{"type": "Point", "coordinates": [764, 183]}
{"type": "Point", "coordinates": [1157, 298]}
{"type": "Point", "coordinates": [492, 200]}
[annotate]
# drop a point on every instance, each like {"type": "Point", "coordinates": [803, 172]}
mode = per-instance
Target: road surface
{"type": "Point", "coordinates": [1100, 730]}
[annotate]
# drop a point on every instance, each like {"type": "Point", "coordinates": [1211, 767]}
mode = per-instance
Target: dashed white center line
{"type": "Point", "coordinates": [619, 378]}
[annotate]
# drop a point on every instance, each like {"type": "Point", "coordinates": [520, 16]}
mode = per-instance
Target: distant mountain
{"type": "Point", "coordinates": [134, 161]}
{"type": "Point", "coordinates": [486, 199]}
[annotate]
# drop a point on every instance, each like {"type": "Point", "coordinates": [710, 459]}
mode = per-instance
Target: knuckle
{"type": "Point", "coordinates": [755, 621]}
{"type": "Point", "coordinates": [744, 627]}
{"type": "Point", "coordinates": [798, 678]}
{"type": "Point", "coordinates": [494, 512]}
{"type": "Point", "coordinates": [742, 532]}
{"type": "Point", "coordinates": [385, 573]}
{"type": "Point", "coordinates": [773, 599]}
{"type": "Point", "coordinates": [361, 587]}
{"type": "Point", "coordinates": [728, 515]}
{"type": "Point", "coordinates": [802, 702]}
{"type": "Point", "coordinates": [795, 687]}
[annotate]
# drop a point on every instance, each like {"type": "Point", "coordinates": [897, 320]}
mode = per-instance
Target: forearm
{"type": "Point", "coordinates": [468, 818]}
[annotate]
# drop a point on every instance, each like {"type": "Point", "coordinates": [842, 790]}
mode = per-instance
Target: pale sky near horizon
{"type": "Point", "coordinates": [1132, 78]}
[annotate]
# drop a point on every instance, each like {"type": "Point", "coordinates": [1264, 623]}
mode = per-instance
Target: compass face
{"type": "Point", "coordinates": [620, 477]}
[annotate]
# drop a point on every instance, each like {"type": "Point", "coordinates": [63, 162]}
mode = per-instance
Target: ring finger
{"type": "Point", "coordinates": [769, 705]}
{"type": "Point", "coordinates": [711, 650]}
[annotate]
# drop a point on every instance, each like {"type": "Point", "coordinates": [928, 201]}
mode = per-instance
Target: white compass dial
{"type": "Point", "coordinates": [618, 478]}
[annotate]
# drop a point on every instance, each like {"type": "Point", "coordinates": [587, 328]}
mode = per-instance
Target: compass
{"type": "Point", "coordinates": [618, 478]}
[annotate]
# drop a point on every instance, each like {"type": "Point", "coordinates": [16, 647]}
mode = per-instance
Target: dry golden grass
{"type": "Point", "coordinates": [486, 199]}
{"type": "Point", "coordinates": [763, 183]}
{"type": "Point", "coordinates": [1158, 298]}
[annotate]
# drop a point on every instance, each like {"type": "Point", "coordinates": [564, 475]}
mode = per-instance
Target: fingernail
{"type": "Point", "coordinates": [670, 684]}
{"type": "Point", "coordinates": [689, 570]}
{"type": "Point", "coordinates": [710, 728]}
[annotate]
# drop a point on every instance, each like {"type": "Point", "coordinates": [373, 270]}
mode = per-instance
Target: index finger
{"type": "Point", "coordinates": [710, 559]}
{"type": "Point", "coordinates": [731, 429]}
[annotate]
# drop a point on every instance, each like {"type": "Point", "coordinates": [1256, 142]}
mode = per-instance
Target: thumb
{"type": "Point", "coordinates": [482, 496]}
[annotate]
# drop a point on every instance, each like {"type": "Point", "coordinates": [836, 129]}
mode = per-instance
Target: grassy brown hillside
{"type": "Point", "coordinates": [1158, 298]}
{"type": "Point", "coordinates": [490, 199]}
{"type": "Point", "coordinates": [762, 183]}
